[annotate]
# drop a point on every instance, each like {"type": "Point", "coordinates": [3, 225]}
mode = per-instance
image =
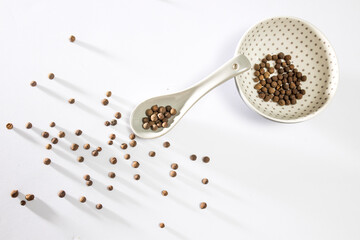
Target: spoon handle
{"type": "Point", "coordinates": [230, 69]}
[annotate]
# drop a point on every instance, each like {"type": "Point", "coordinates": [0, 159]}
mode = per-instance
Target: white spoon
{"type": "Point", "coordinates": [184, 100]}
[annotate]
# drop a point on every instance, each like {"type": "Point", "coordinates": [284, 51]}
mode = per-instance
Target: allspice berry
{"type": "Point", "coordinates": [107, 123]}
{"type": "Point", "coordinates": [161, 225]}
{"type": "Point", "coordinates": [82, 199]}
{"type": "Point", "coordinates": [48, 146]}
{"type": "Point", "coordinates": [61, 134]}
{"type": "Point", "coordinates": [136, 176]}
{"type": "Point", "coordinates": [51, 76]}
{"type": "Point", "coordinates": [29, 197]}
{"type": "Point", "coordinates": [86, 146]}
{"type": "Point", "coordinates": [205, 181]}
{"type": "Point", "coordinates": [22, 203]}
{"type": "Point", "coordinates": [166, 144]}
{"type": "Point", "coordinates": [132, 136]}
{"type": "Point", "coordinates": [206, 159]}
{"type": "Point", "coordinates": [152, 154]}
{"type": "Point", "coordinates": [108, 93]}
{"type": "Point", "coordinates": [99, 206]}
{"type": "Point", "coordinates": [173, 111]}
{"type": "Point", "coordinates": [111, 175]}
{"type": "Point", "coordinates": [203, 205]}
{"type": "Point", "coordinates": [123, 146]}
{"type": "Point", "coordinates": [110, 187]}
{"type": "Point", "coordinates": [9, 126]}
{"type": "Point", "coordinates": [193, 157]}
{"type": "Point", "coordinates": [52, 124]}
{"type": "Point", "coordinates": [80, 159]}
{"type": "Point", "coordinates": [45, 134]}
{"type": "Point", "coordinates": [54, 140]}
{"type": "Point", "coordinates": [110, 142]}
{"type": "Point", "coordinates": [132, 143]}
{"type": "Point", "coordinates": [28, 125]}
{"type": "Point", "coordinates": [174, 166]}
{"type": "Point", "coordinates": [164, 193]}
{"type": "Point", "coordinates": [78, 132]}
{"type": "Point", "coordinates": [89, 183]}
{"type": "Point", "coordinates": [72, 38]}
{"type": "Point", "coordinates": [113, 160]}
{"type": "Point", "coordinates": [127, 156]}
{"type": "Point", "coordinates": [71, 100]}
{"type": "Point", "coordinates": [95, 153]}
{"type": "Point", "coordinates": [47, 161]}
{"type": "Point", "coordinates": [99, 149]}
{"type": "Point", "coordinates": [113, 122]}
{"type": "Point", "coordinates": [14, 193]}
{"type": "Point", "coordinates": [61, 193]}
{"type": "Point", "coordinates": [74, 147]}
{"type": "Point", "coordinates": [135, 164]}
{"type": "Point", "coordinates": [112, 136]}
{"type": "Point", "coordinates": [172, 173]}
{"type": "Point", "coordinates": [86, 177]}
{"type": "Point", "coordinates": [105, 102]}
{"type": "Point", "coordinates": [117, 115]}
{"type": "Point", "coordinates": [33, 83]}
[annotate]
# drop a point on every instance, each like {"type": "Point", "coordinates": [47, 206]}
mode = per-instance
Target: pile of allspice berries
{"type": "Point", "coordinates": [158, 117]}
{"type": "Point", "coordinates": [279, 81]}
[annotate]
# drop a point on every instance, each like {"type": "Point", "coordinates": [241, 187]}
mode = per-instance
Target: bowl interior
{"type": "Point", "coordinates": [311, 54]}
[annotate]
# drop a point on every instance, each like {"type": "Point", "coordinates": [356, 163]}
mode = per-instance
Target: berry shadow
{"type": "Point", "coordinates": [25, 135]}
{"type": "Point", "coordinates": [41, 209]}
{"type": "Point", "coordinates": [95, 49]}
{"type": "Point", "coordinates": [69, 85]}
{"type": "Point", "coordinates": [175, 233]}
{"type": "Point", "coordinates": [83, 207]}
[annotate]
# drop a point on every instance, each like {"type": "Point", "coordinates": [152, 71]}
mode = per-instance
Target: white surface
{"type": "Point", "coordinates": [267, 180]}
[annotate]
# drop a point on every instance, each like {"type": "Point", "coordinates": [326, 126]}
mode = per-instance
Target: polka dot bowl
{"type": "Point", "coordinates": [311, 54]}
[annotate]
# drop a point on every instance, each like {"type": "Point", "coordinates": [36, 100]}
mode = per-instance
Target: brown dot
{"type": "Point", "coordinates": [132, 143]}
{"type": "Point", "coordinates": [86, 177]}
{"type": "Point", "coordinates": [74, 147]}
{"type": "Point", "coordinates": [113, 122]}
{"type": "Point", "coordinates": [22, 203]}
{"type": "Point", "coordinates": [117, 115]}
{"type": "Point", "coordinates": [108, 93]}
{"type": "Point", "coordinates": [123, 146]}
{"type": "Point", "coordinates": [205, 181]}
{"type": "Point", "coordinates": [61, 134]}
{"type": "Point", "coordinates": [33, 83]}
{"type": "Point", "coordinates": [174, 166]}
{"type": "Point", "coordinates": [112, 136]}
{"type": "Point", "coordinates": [61, 193]}
{"type": "Point", "coordinates": [72, 38]}
{"type": "Point", "coordinates": [164, 193]}
{"type": "Point", "coordinates": [166, 144]}
{"type": "Point", "coordinates": [172, 173]}
{"type": "Point", "coordinates": [99, 149]}
{"type": "Point", "coordinates": [78, 132]}
{"type": "Point", "coordinates": [52, 124]}
{"type": "Point", "coordinates": [203, 205]}
{"type": "Point", "coordinates": [51, 76]}
{"type": "Point", "coordinates": [135, 164]}
{"type": "Point", "coordinates": [173, 111]}
{"type": "Point", "coordinates": [110, 142]}
{"type": "Point", "coordinates": [14, 193]}
{"type": "Point", "coordinates": [105, 102]}
{"type": "Point", "coordinates": [48, 146]}
{"type": "Point", "coordinates": [86, 146]}
{"type": "Point", "coordinates": [89, 183]}
{"type": "Point", "coordinates": [152, 154]}
{"type": "Point", "coordinates": [9, 126]}
{"type": "Point", "coordinates": [107, 123]}
{"type": "Point", "coordinates": [71, 100]}
{"type": "Point", "coordinates": [29, 197]}
{"type": "Point", "coordinates": [99, 206]}
{"type": "Point", "coordinates": [80, 159]}
{"type": "Point", "coordinates": [82, 199]}
{"type": "Point", "coordinates": [54, 140]}
{"type": "Point", "coordinates": [136, 176]}
{"type": "Point", "coordinates": [47, 161]}
{"type": "Point", "coordinates": [132, 136]}
{"type": "Point", "coordinates": [113, 160]}
{"type": "Point", "coordinates": [193, 157]}
{"type": "Point", "coordinates": [206, 159]}
{"type": "Point", "coordinates": [28, 125]}
{"type": "Point", "coordinates": [127, 156]}
{"type": "Point", "coordinates": [95, 153]}
{"type": "Point", "coordinates": [110, 187]}
{"type": "Point", "coordinates": [161, 225]}
{"type": "Point", "coordinates": [111, 175]}
{"type": "Point", "coordinates": [45, 134]}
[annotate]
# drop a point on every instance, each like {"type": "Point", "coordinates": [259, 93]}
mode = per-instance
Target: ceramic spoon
{"type": "Point", "coordinates": [184, 100]}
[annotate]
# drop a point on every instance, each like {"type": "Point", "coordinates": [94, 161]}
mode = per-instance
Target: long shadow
{"type": "Point", "coordinates": [63, 154]}
{"type": "Point", "coordinates": [51, 93]}
{"type": "Point", "coordinates": [89, 110]}
{"type": "Point", "coordinates": [69, 85]}
{"type": "Point", "coordinates": [41, 209]}
{"type": "Point", "coordinates": [92, 140]}
{"type": "Point", "coordinates": [65, 172]}
{"type": "Point", "coordinates": [95, 49]}
{"type": "Point", "coordinates": [221, 215]}
{"type": "Point", "coordinates": [79, 205]}
{"type": "Point", "coordinates": [180, 201]}
{"type": "Point", "coordinates": [25, 135]}
{"type": "Point", "coordinates": [175, 233]}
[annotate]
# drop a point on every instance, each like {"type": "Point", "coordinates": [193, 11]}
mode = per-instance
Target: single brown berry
{"type": "Point", "coordinates": [132, 136]}
{"type": "Point", "coordinates": [136, 176]}
{"type": "Point", "coordinates": [166, 144]}
{"type": "Point", "coordinates": [123, 146]}
{"type": "Point", "coordinates": [82, 199]}
{"type": "Point", "coordinates": [33, 83]}
{"type": "Point", "coordinates": [206, 159]}
{"type": "Point", "coordinates": [29, 197]}
{"type": "Point", "coordinates": [47, 161]}
{"type": "Point", "coordinates": [89, 183]}
{"type": "Point", "coordinates": [113, 160]}
{"type": "Point", "coordinates": [80, 159]}
{"type": "Point", "coordinates": [161, 225]}
{"type": "Point", "coordinates": [71, 100]}
{"type": "Point", "coordinates": [110, 187]}
{"type": "Point", "coordinates": [86, 177]}
{"type": "Point", "coordinates": [52, 124]}
{"type": "Point", "coordinates": [9, 126]}
{"type": "Point", "coordinates": [105, 102]}
{"type": "Point", "coordinates": [135, 164]}
{"type": "Point", "coordinates": [99, 206]}
{"type": "Point", "coordinates": [132, 143]}
{"type": "Point", "coordinates": [205, 181]}
{"type": "Point", "coordinates": [54, 140]}
{"type": "Point", "coordinates": [164, 193]}
{"type": "Point", "coordinates": [111, 175]}
{"type": "Point", "coordinates": [51, 76]}
{"type": "Point", "coordinates": [117, 115]}
{"type": "Point", "coordinates": [203, 205]}
{"type": "Point", "coordinates": [108, 93]}
{"type": "Point", "coordinates": [174, 166]}
{"type": "Point", "coordinates": [172, 173]}
{"type": "Point", "coordinates": [14, 193]}
{"type": "Point", "coordinates": [61, 134]}
{"type": "Point", "coordinates": [22, 203]}
{"type": "Point", "coordinates": [48, 146]}
{"type": "Point", "coordinates": [28, 125]}
{"type": "Point", "coordinates": [127, 156]}
{"type": "Point", "coordinates": [78, 132]}
{"type": "Point", "coordinates": [61, 194]}
{"type": "Point", "coordinates": [72, 38]}
{"type": "Point", "coordinates": [152, 154]}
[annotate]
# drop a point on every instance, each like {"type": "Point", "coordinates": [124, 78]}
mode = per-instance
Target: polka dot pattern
{"type": "Point", "coordinates": [311, 54]}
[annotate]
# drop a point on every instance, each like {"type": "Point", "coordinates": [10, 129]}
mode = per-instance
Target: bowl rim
{"type": "Point", "coordinates": [300, 119]}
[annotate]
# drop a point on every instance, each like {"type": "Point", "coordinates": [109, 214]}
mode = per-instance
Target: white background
{"type": "Point", "coordinates": [267, 180]}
